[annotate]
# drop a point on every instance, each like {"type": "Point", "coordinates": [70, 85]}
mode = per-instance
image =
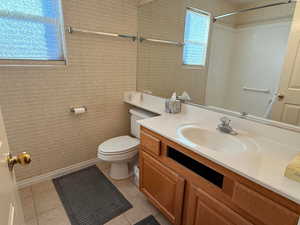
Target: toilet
{"type": "Point", "coordinates": [120, 151]}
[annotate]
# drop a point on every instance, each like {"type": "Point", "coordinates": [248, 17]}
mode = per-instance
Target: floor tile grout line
{"type": "Point", "coordinates": [34, 207]}
{"type": "Point", "coordinates": [127, 220]}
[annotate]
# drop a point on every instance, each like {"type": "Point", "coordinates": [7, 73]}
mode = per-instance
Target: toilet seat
{"type": "Point", "coordinates": [118, 146]}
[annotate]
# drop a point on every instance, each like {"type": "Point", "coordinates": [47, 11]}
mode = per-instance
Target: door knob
{"type": "Point", "coordinates": [23, 159]}
{"type": "Point", "coordinates": [280, 97]}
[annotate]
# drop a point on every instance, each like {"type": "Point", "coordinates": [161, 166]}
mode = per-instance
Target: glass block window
{"type": "Point", "coordinates": [31, 30]}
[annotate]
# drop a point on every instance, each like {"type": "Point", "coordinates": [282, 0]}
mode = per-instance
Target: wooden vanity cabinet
{"type": "Point", "coordinates": [192, 190]}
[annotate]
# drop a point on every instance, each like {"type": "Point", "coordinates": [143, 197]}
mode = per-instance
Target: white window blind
{"type": "Point", "coordinates": [31, 30]}
{"type": "Point", "coordinates": [195, 38]}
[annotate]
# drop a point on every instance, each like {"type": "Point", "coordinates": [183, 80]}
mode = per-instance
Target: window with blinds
{"type": "Point", "coordinates": [196, 35]}
{"type": "Point", "coordinates": [31, 30]}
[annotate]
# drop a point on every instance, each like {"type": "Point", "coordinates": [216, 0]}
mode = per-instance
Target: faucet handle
{"type": "Point", "coordinates": [225, 121]}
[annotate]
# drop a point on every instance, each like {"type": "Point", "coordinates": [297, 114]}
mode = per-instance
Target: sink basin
{"type": "Point", "coordinates": [213, 139]}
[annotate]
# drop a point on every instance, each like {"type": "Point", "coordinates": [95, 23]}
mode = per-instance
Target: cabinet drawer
{"type": "Point", "coordinates": [262, 208]}
{"type": "Point", "coordinates": [150, 144]}
{"type": "Point", "coordinates": [206, 210]}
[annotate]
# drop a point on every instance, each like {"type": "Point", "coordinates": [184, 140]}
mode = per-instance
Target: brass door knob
{"type": "Point", "coordinates": [280, 97]}
{"type": "Point", "coordinates": [23, 159]}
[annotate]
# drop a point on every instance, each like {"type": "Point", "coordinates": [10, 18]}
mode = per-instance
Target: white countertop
{"type": "Point", "coordinates": [265, 166]}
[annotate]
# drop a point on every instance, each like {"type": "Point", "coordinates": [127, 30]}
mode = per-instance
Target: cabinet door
{"type": "Point", "coordinates": [205, 210]}
{"type": "Point", "coordinates": [263, 208]}
{"type": "Point", "coordinates": [163, 187]}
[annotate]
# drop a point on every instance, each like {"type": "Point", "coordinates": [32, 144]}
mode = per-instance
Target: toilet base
{"type": "Point", "coordinates": [119, 170]}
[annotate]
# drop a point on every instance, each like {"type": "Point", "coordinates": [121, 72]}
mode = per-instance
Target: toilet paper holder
{"type": "Point", "coordinates": [82, 109]}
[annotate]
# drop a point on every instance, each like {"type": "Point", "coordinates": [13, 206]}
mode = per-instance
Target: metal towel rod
{"type": "Point", "coordinates": [266, 91]}
{"type": "Point", "coordinates": [161, 41]}
{"type": "Point", "coordinates": [250, 9]}
{"type": "Point", "coordinates": [72, 30]}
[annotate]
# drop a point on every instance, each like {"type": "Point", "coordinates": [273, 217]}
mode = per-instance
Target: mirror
{"type": "Point", "coordinates": [237, 55]}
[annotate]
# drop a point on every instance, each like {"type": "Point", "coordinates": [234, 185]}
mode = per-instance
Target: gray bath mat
{"type": "Point", "coordinates": [89, 198]}
{"type": "Point", "coordinates": [150, 220]}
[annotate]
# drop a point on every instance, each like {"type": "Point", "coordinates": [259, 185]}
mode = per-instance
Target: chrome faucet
{"type": "Point", "coordinates": [225, 127]}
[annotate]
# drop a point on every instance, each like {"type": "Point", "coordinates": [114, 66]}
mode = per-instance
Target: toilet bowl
{"type": "Point", "coordinates": [120, 151]}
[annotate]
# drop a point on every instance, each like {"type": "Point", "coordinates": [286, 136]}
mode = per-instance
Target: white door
{"type": "Point", "coordinates": [10, 207]}
{"type": "Point", "coordinates": [287, 108]}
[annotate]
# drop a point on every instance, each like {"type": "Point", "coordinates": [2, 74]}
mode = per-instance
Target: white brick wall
{"type": "Point", "coordinates": [35, 101]}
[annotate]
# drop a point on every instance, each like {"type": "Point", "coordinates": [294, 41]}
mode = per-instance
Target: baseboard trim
{"type": "Point", "coordinates": [56, 173]}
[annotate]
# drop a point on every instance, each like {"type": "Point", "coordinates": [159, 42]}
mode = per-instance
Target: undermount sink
{"type": "Point", "coordinates": [214, 140]}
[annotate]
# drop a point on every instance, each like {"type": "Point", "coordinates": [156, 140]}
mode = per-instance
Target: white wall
{"type": "Point", "coordinates": [256, 62]}
{"type": "Point", "coordinates": [222, 43]}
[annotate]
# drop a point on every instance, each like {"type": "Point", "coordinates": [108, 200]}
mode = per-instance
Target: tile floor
{"type": "Point", "coordinates": [42, 206]}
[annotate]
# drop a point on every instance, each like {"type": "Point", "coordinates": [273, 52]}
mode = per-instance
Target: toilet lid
{"type": "Point", "coordinates": [119, 145]}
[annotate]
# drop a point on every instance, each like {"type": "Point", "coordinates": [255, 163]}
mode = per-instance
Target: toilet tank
{"type": "Point", "coordinates": [136, 115]}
